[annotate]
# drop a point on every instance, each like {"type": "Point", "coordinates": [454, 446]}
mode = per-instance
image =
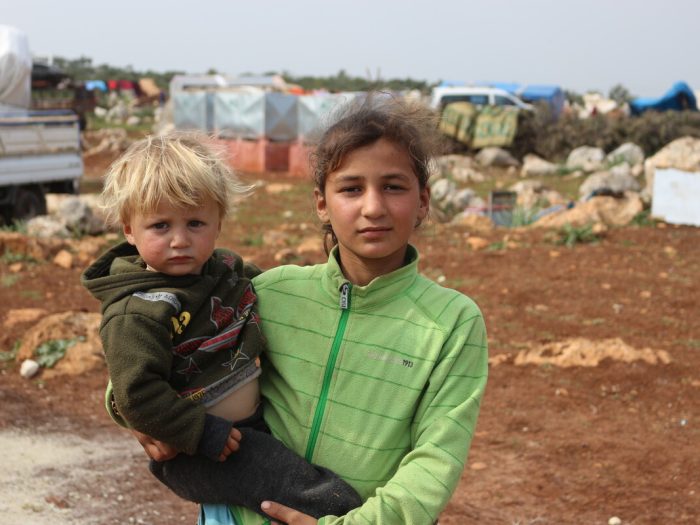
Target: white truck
{"type": "Point", "coordinates": [39, 150]}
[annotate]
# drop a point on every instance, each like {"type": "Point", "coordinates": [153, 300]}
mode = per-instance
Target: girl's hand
{"type": "Point", "coordinates": [286, 515]}
{"type": "Point", "coordinates": [232, 444]}
{"type": "Point", "coordinates": [156, 450]}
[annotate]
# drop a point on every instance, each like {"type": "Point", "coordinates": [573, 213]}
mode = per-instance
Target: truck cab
{"type": "Point", "coordinates": [479, 96]}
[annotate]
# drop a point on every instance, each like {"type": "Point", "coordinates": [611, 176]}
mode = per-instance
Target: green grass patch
{"type": "Point", "coordinates": [17, 226]}
{"type": "Point", "coordinates": [51, 352]}
{"type": "Point", "coordinates": [31, 294]}
{"type": "Point", "coordinates": [570, 235]}
{"type": "Point", "coordinates": [643, 219]}
{"type": "Point", "coordinates": [8, 281]}
{"type": "Point", "coordinates": [9, 355]}
{"type": "Point", "coordinates": [10, 257]}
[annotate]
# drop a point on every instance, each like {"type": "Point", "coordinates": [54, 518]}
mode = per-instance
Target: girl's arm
{"type": "Point", "coordinates": [443, 428]}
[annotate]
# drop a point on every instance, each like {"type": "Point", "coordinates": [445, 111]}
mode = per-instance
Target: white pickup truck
{"type": "Point", "coordinates": [39, 150]}
{"type": "Point", "coordinates": [39, 153]}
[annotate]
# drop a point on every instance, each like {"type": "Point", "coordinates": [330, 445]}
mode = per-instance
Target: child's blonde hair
{"type": "Point", "coordinates": [182, 168]}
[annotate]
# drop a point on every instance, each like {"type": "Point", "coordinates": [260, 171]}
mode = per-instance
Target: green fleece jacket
{"type": "Point", "coordinates": [176, 344]}
{"type": "Point", "coordinates": [380, 383]}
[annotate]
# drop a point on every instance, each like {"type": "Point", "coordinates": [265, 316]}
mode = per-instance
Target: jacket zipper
{"type": "Point", "coordinates": [330, 366]}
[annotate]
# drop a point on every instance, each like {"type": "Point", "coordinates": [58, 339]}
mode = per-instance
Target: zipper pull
{"type": "Point", "coordinates": [345, 296]}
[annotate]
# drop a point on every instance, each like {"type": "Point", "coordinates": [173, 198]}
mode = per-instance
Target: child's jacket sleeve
{"type": "Point", "coordinates": [138, 356]}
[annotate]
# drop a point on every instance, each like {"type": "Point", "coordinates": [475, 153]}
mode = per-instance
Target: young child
{"type": "Point", "coordinates": [374, 371]}
{"type": "Point", "coordinates": [181, 333]}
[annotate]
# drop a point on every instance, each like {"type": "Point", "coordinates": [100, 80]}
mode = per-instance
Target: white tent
{"type": "Point", "coordinates": [15, 68]}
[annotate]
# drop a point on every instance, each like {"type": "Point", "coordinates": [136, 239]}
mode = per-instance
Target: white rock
{"type": "Point", "coordinates": [614, 521]}
{"type": "Point", "coordinates": [29, 368]}
{"type": "Point", "coordinates": [534, 166]}
{"type": "Point", "coordinates": [627, 152]}
{"type": "Point", "coordinates": [493, 156]}
{"type": "Point", "coordinates": [442, 189]}
{"type": "Point", "coordinates": [587, 158]}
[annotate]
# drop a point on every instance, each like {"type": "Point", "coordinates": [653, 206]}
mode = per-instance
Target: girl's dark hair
{"type": "Point", "coordinates": [365, 120]}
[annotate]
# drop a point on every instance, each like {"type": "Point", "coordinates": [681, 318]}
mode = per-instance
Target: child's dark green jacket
{"type": "Point", "coordinates": [176, 344]}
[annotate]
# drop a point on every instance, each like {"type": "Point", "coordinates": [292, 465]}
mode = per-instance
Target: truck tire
{"type": "Point", "coordinates": [29, 202]}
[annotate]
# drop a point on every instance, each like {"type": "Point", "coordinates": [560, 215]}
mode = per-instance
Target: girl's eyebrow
{"type": "Point", "coordinates": [348, 178]}
{"type": "Point", "coordinates": [387, 176]}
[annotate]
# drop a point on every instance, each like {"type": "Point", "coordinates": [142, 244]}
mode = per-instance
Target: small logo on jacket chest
{"type": "Point", "coordinates": [376, 356]}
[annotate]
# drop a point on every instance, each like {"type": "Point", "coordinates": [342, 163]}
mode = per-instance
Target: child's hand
{"type": "Point", "coordinates": [232, 444]}
{"type": "Point", "coordinates": [156, 450]}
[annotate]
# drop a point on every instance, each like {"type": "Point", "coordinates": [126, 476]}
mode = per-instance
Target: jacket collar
{"type": "Point", "coordinates": [380, 290]}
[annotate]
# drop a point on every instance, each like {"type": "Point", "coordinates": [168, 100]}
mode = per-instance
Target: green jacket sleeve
{"type": "Point", "coordinates": [442, 431]}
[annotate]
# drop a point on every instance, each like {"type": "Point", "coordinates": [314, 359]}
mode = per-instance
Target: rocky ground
{"type": "Point", "coordinates": [592, 409]}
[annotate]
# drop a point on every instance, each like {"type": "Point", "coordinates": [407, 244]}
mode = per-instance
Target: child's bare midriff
{"type": "Point", "coordinates": [240, 404]}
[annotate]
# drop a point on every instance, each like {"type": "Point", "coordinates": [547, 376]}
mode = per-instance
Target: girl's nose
{"type": "Point", "coordinates": [373, 204]}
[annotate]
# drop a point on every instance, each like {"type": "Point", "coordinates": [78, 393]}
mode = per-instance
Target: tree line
{"type": "Point", "coordinates": [83, 69]}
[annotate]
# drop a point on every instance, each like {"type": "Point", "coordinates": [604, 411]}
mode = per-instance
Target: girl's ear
{"type": "Point", "coordinates": [128, 234]}
{"type": "Point", "coordinates": [321, 207]}
{"type": "Point", "coordinates": [423, 203]}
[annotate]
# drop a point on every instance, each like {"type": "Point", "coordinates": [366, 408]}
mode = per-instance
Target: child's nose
{"type": "Point", "coordinates": [179, 239]}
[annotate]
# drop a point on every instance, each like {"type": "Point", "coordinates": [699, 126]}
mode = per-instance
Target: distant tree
{"type": "Point", "coordinates": [344, 82]}
{"type": "Point", "coordinates": [82, 69]}
{"type": "Point", "coordinates": [620, 94]}
{"type": "Point", "coordinates": [572, 97]}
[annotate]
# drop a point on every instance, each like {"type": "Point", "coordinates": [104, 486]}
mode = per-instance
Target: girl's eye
{"type": "Point", "coordinates": [196, 224]}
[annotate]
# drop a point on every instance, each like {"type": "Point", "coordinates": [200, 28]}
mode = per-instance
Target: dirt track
{"type": "Point", "coordinates": [554, 445]}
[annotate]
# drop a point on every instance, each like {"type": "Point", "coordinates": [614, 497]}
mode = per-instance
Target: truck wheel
{"type": "Point", "coordinates": [29, 202]}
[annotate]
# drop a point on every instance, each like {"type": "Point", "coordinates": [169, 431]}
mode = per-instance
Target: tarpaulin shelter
{"type": "Point", "coordinates": [15, 68]}
{"type": "Point", "coordinates": [480, 127]}
{"type": "Point", "coordinates": [551, 94]}
{"type": "Point", "coordinates": [91, 85]}
{"type": "Point", "coordinates": [679, 97]}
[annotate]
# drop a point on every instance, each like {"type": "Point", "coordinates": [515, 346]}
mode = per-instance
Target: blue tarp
{"type": "Point", "coordinates": [95, 84]}
{"type": "Point", "coordinates": [532, 93]}
{"type": "Point", "coordinates": [678, 98]}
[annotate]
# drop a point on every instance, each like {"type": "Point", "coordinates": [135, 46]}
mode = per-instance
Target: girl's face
{"type": "Point", "coordinates": [373, 201]}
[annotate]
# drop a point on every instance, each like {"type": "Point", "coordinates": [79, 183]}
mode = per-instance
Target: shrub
{"type": "Point", "coordinates": [554, 139]}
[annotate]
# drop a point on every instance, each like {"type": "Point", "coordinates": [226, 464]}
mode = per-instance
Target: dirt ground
{"type": "Point", "coordinates": [554, 444]}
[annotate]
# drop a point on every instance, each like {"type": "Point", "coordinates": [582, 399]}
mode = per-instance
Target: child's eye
{"type": "Point", "coordinates": [195, 224]}
{"type": "Point", "coordinates": [349, 189]}
{"type": "Point", "coordinates": [159, 226]}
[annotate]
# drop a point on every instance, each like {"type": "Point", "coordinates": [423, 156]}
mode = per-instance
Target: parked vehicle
{"type": "Point", "coordinates": [39, 150]}
{"type": "Point", "coordinates": [479, 96]}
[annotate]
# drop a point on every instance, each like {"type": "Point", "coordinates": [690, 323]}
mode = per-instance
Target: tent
{"type": "Point", "coordinates": [679, 97]}
{"type": "Point", "coordinates": [15, 68]}
{"type": "Point", "coordinates": [91, 85]}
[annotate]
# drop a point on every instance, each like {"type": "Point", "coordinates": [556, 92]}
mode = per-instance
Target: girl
{"type": "Point", "coordinates": [373, 370]}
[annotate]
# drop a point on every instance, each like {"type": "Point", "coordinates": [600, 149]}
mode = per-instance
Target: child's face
{"type": "Point", "coordinates": [175, 240]}
{"type": "Point", "coordinates": [373, 202]}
